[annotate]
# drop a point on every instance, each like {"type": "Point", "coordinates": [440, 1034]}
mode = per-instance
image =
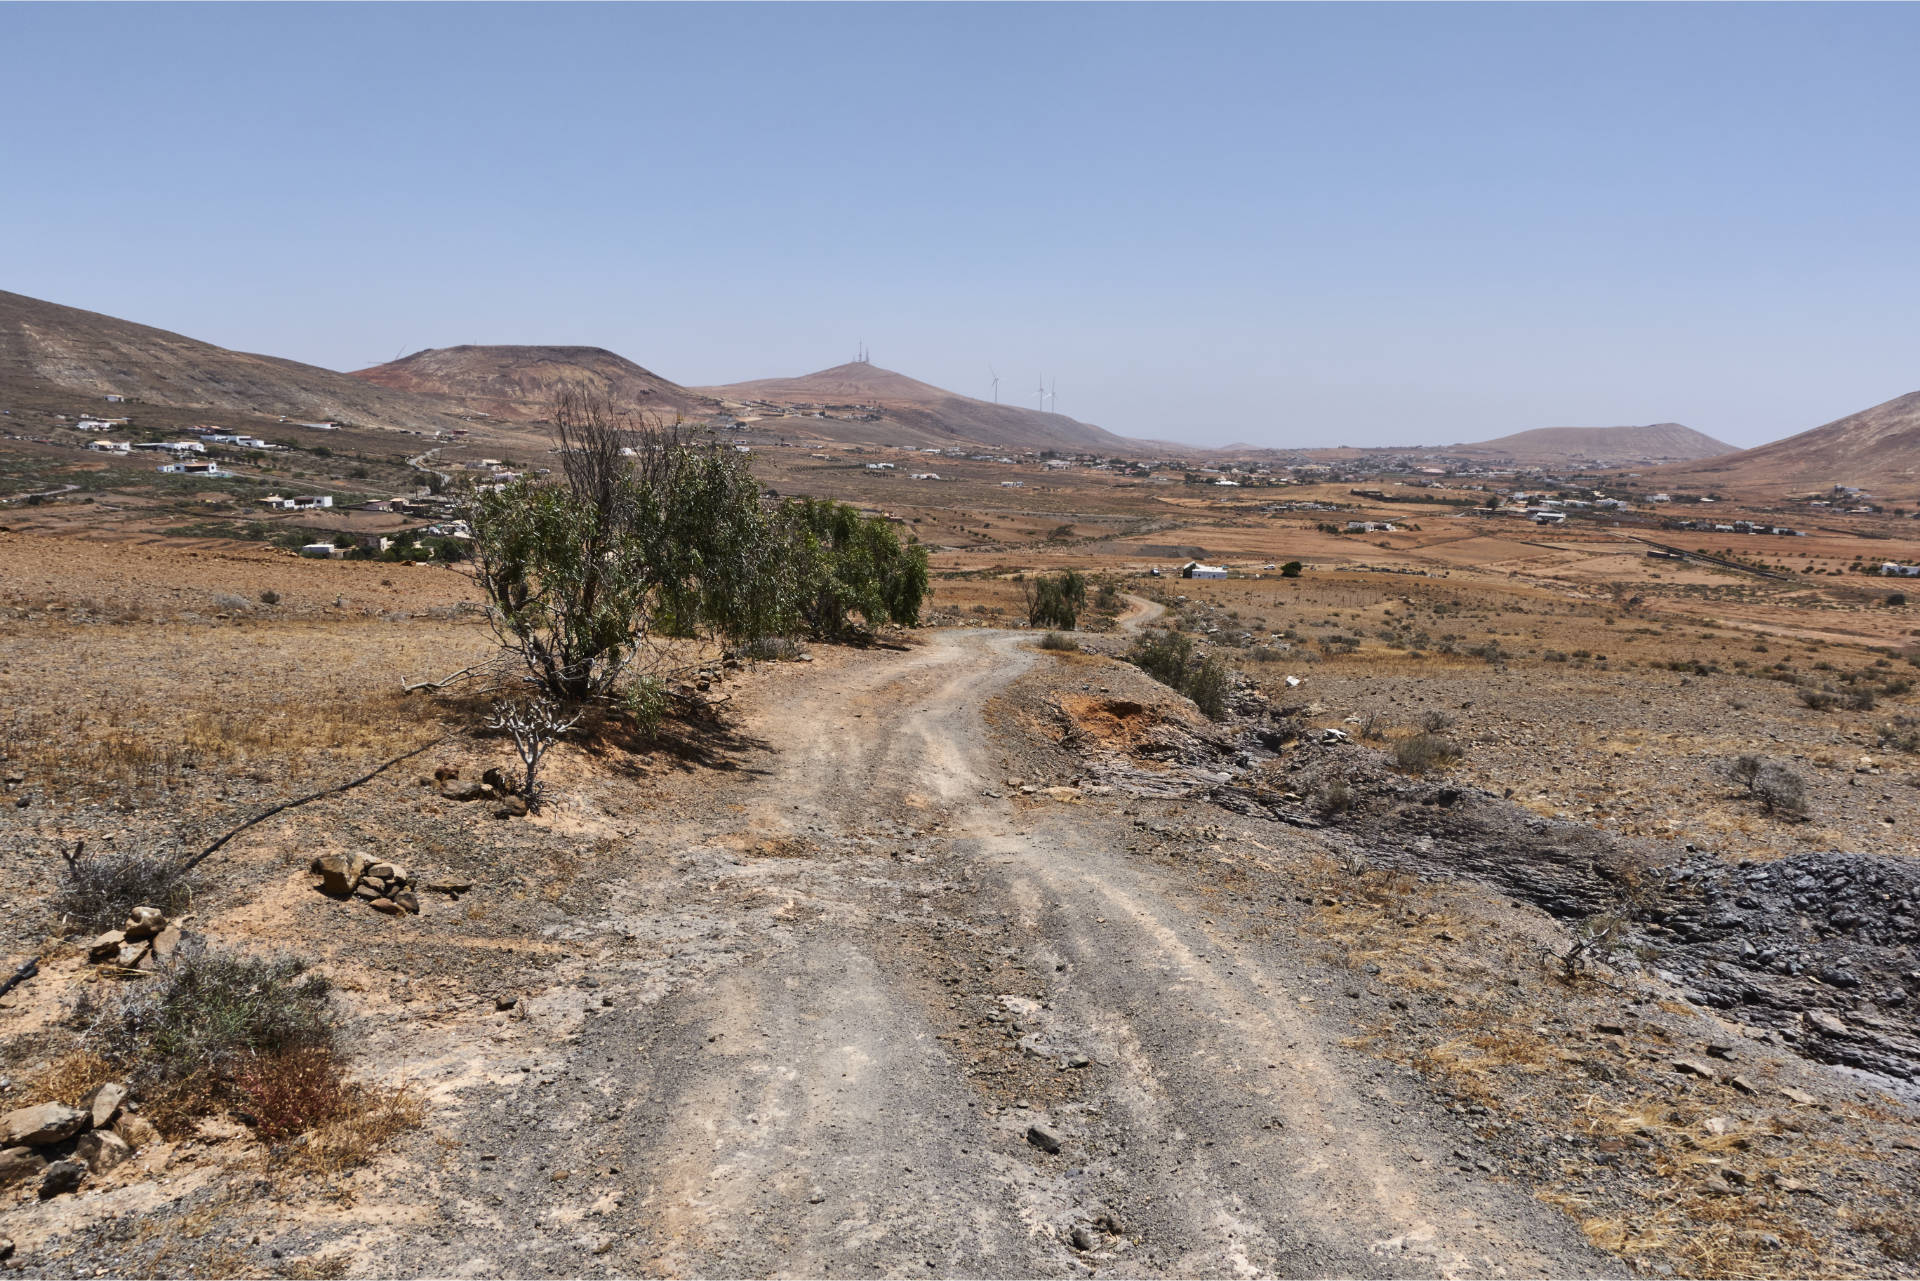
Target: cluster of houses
{"type": "Point", "coordinates": [1734, 527]}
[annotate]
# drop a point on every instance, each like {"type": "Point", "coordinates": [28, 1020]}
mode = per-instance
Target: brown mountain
{"type": "Point", "coordinates": [864, 403]}
{"type": "Point", "coordinates": [48, 346]}
{"type": "Point", "coordinates": [517, 384]}
{"type": "Point", "coordinates": [1606, 446]}
{"type": "Point", "coordinates": [1876, 449]}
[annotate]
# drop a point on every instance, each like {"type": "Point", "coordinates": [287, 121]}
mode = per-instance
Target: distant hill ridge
{"type": "Point", "coordinates": [518, 383]}
{"type": "Point", "coordinates": [95, 355]}
{"type": "Point", "coordinates": [920, 414]}
{"type": "Point", "coordinates": [1869, 449]}
{"type": "Point", "coordinates": [1654, 443]}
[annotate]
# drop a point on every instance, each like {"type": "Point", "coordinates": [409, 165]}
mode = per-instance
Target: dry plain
{"type": "Point", "coordinates": [951, 955]}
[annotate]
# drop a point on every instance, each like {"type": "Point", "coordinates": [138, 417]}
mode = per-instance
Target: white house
{"type": "Point", "coordinates": [110, 446]}
{"type": "Point", "coordinates": [1194, 569]}
{"type": "Point", "coordinates": [209, 470]}
{"type": "Point", "coordinates": [172, 446]}
{"type": "Point", "coordinates": [323, 551]}
{"type": "Point", "coordinates": [1548, 518]}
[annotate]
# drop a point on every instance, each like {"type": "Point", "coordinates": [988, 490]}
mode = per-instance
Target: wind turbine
{"type": "Point", "coordinates": [1053, 396]}
{"type": "Point", "coordinates": [996, 383]}
{"type": "Point", "coordinates": [1043, 393]}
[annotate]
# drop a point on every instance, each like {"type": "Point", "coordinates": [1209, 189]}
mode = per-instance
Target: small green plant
{"type": "Point", "coordinates": [645, 702]}
{"type": "Point", "coordinates": [207, 1013]}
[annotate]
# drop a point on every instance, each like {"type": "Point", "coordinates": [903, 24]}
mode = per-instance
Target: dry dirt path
{"type": "Point", "coordinates": [807, 1051]}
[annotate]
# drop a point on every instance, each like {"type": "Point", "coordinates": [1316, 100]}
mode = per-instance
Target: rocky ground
{"type": "Point", "coordinates": [962, 957]}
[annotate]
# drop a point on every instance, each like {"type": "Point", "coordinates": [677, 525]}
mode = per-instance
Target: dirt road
{"type": "Point", "coordinates": [817, 1038]}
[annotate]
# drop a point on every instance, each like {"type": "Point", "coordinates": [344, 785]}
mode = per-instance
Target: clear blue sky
{"type": "Point", "coordinates": [1292, 225]}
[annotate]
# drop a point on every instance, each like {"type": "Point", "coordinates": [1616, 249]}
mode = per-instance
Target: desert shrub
{"type": "Point", "coordinates": [1896, 598]}
{"type": "Point", "coordinates": [1291, 569]}
{"type": "Point", "coordinates": [206, 1014]}
{"type": "Point", "coordinates": [1059, 641]}
{"type": "Point", "coordinates": [1332, 797]}
{"type": "Point", "coordinates": [1168, 657]}
{"type": "Point", "coordinates": [1435, 722]}
{"type": "Point", "coordinates": [1860, 698]}
{"type": "Point", "coordinates": [1554, 656]}
{"type": "Point", "coordinates": [1163, 655]}
{"type": "Point", "coordinates": [269, 597]}
{"type": "Point", "coordinates": [1745, 768]}
{"type": "Point", "coordinates": [769, 649]}
{"type": "Point", "coordinates": [97, 891]}
{"type": "Point", "coordinates": [1902, 732]}
{"type": "Point", "coordinates": [1820, 700]}
{"type": "Point", "coordinates": [292, 1092]}
{"type": "Point", "coordinates": [1422, 752]}
{"type": "Point", "coordinates": [1781, 791]}
{"type": "Point", "coordinates": [1107, 599]}
{"type": "Point", "coordinates": [1208, 683]}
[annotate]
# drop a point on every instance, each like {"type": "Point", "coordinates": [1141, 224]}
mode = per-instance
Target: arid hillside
{"type": "Point", "coordinates": [45, 346]}
{"type": "Point", "coordinates": [1876, 449]}
{"type": "Point", "coordinates": [899, 410]}
{"type": "Point", "coordinates": [1607, 446]}
{"type": "Point", "coordinates": [517, 384]}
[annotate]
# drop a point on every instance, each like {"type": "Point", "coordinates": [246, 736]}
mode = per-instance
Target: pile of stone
{"type": "Point", "coordinates": [147, 939]}
{"type": "Point", "coordinates": [383, 886]}
{"type": "Point", "coordinates": [60, 1145]}
{"type": "Point", "coordinates": [494, 785]}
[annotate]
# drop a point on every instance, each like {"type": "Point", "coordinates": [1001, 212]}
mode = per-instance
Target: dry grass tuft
{"type": "Point", "coordinates": [66, 1080]}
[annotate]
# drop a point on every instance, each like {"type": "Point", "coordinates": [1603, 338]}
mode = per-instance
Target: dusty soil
{"type": "Point", "coordinates": [793, 1001]}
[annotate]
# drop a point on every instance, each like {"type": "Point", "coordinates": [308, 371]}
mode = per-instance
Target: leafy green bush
{"type": "Point", "coordinates": [1291, 569]}
{"type": "Point", "coordinates": [842, 563]}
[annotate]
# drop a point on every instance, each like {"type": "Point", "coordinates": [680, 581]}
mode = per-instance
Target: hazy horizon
{"type": "Point", "coordinates": [1292, 226]}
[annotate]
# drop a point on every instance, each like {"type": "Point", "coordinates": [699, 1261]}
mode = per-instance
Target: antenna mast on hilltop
{"type": "Point", "coordinates": [996, 384]}
{"type": "Point", "coordinates": [860, 356]}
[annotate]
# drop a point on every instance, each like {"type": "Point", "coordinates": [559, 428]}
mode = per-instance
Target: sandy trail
{"type": "Point", "coordinates": [800, 1099]}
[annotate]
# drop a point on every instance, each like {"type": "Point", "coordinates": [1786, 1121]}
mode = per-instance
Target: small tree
{"type": "Point", "coordinates": [1291, 569]}
{"type": "Point", "coordinates": [1055, 600]}
{"type": "Point", "coordinates": [535, 726]}
{"type": "Point", "coordinates": [649, 531]}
